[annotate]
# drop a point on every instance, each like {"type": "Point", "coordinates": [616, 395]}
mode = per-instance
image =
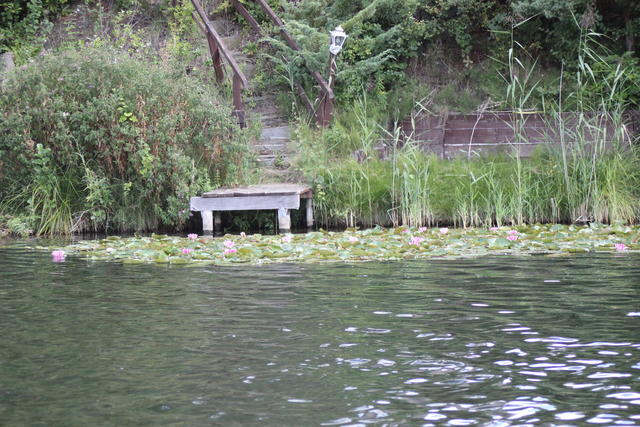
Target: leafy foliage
{"type": "Point", "coordinates": [23, 23]}
{"type": "Point", "coordinates": [95, 140]}
{"type": "Point", "coordinates": [375, 244]}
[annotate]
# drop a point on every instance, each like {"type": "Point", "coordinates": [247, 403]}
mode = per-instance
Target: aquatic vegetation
{"type": "Point", "coordinates": [620, 247]}
{"type": "Point", "coordinates": [379, 244]}
{"type": "Point", "coordinates": [58, 256]}
{"type": "Point", "coordinates": [415, 241]}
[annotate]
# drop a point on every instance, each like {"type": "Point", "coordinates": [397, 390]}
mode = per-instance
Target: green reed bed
{"type": "Point", "coordinates": [418, 189]}
{"type": "Point", "coordinates": [353, 245]}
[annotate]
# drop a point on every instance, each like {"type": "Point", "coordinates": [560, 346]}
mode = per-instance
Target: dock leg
{"type": "Point", "coordinates": [309, 213]}
{"type": "Point", "coordinates": [217, 222]}
{"type": "Point", "coordinates": [284, 220]}
{"type": "Point", "coordinates": [207, 222]}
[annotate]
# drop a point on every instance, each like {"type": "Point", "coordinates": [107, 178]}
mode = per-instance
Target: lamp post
{"type": "Point", "coordinates": [338, 37]}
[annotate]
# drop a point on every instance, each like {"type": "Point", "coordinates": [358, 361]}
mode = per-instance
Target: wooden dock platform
{"type": "Point", "coordinates": [281, 197]}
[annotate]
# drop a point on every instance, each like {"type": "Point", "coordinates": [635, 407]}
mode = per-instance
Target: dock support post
{"type": "Point", "coordinates": [207, 222]}
{"type": "Point", "coordinates": [217, 222]}
{"type": "Point", "coordinates": [309, 213]}
{"type": "Point", "coordinates": [284, 220]}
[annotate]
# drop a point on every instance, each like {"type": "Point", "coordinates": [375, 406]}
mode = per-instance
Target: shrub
{"type": "Point", "coordinates": [96, 140]}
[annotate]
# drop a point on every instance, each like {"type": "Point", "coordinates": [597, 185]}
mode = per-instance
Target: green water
{"type": "Point", "coordinates": [494, 341]}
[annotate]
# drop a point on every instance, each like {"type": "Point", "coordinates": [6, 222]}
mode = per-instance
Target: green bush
{"type": "Point", "coordinates": [96, 140]}
{"type": "Point", "coordinates": [23, 24]}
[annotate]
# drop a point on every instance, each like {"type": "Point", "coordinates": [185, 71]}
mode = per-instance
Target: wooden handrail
{"type": "Point", "coordinates": [221, 47]}
{"type": "Point", "coordinates": [256, 27]}
{"type": "Point", "coordinates": [293, 45]}
{"type": "Point", "coordinates": [246, 15]}
{"type": "Point", "coordinates": [213, 50]}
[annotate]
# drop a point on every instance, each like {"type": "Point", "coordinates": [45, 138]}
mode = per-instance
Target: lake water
{"type": "Point", "coordinates": [493, 341]}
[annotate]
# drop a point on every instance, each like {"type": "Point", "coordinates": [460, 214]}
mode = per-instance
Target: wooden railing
{"type": "Point", "coordinates": [322, 112]}
{"type": "Point", "coordinates": [216, 48]}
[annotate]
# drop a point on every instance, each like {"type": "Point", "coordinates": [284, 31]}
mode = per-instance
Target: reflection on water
{"type": "Point", "coordinates": [492, 341]}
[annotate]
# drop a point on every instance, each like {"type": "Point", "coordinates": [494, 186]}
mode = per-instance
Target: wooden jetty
{"type": "Point", "coordinates": [281, 197]}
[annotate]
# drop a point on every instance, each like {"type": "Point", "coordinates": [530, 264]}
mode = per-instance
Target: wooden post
{"type": "Point", "coordinates": [213, 49]}
{"type": "Point", "coordinates": [309, 213]}
{"type": "Point", "coordinates": [237, 100]}
{"type": "Point", "coordinates": [217, 222]}
{"type": "Point", "coordinates": [326, 107]}
{"type": "Point", "coordinates": [284, 220]}
{"type": "Point", "coordinates": [207, 222]}
{"type": "Point", "coordinates": [215, 57]}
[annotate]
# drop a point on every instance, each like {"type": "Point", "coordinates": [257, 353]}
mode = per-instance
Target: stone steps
{"type": "Point", "coordinates": [273, 144]}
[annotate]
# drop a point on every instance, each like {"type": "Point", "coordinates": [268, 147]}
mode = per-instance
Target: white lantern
{"type": "Point", "coordinates": [338, 36]}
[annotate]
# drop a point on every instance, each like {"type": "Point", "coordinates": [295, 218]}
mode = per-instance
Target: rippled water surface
{"type": "Point", "coordinates": [490, 341]}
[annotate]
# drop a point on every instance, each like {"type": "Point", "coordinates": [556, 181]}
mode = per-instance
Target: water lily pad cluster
{"type": "Point", "coordinates": [365, 245]}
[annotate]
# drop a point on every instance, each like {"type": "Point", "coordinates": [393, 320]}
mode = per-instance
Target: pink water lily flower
{"type": "Point", "coordinates": [192, 236]}
{"type": "Point", "coordinates": [230, 251]}
{"type": "Point", "coordinates": [415, 241]}
{"type": "Point", "coordinates": [512, 232]}
{"type": "Point", "coordinates": [621, 247]}
{"type": "Point", "coordinates": [494, 229]}
{"type": "Point", "coordinates": [286, 239]}
{"type": "Point", "coordinates": [444, 230]}
{"type": "Point", "coordinates": [58, 256]}
{"type": "Point", "coordinates": [406, 230]}
{"type": "Point", "coordinates": [353, 239]}
{"type": "Point", "coordinates": [228, 244]}
{"type": "Point", "coordinates": [187, 251]}
{"type": "Point", "coordinates": [422, 229]}
{"type": "Point", "coordinates": [512, 237]}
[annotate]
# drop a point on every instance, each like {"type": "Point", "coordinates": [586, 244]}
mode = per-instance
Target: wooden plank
{"type": "Point", "coordinates": [218, 41]}
{"type": "Point", "coordinates": [251, 203]}
{"type": "Point", "coordinates": [261, 190]}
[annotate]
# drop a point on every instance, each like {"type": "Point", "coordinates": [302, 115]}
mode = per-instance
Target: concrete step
{"type": "Point", "coordinates": [274, 175]}
{"type": "Point", "coordinates": [281, 133]}
{"type": "Point", "coordinates": [268, 151]}
{"type": "Point", "coordinates": [272, 144]}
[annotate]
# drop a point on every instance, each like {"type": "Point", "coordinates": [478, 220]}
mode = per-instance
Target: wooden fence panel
{"type": "Point", "coordinates": [457, 134]}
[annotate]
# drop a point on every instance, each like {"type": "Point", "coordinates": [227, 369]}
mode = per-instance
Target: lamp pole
{"type": "Point", "coordinates": [338, 37]}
